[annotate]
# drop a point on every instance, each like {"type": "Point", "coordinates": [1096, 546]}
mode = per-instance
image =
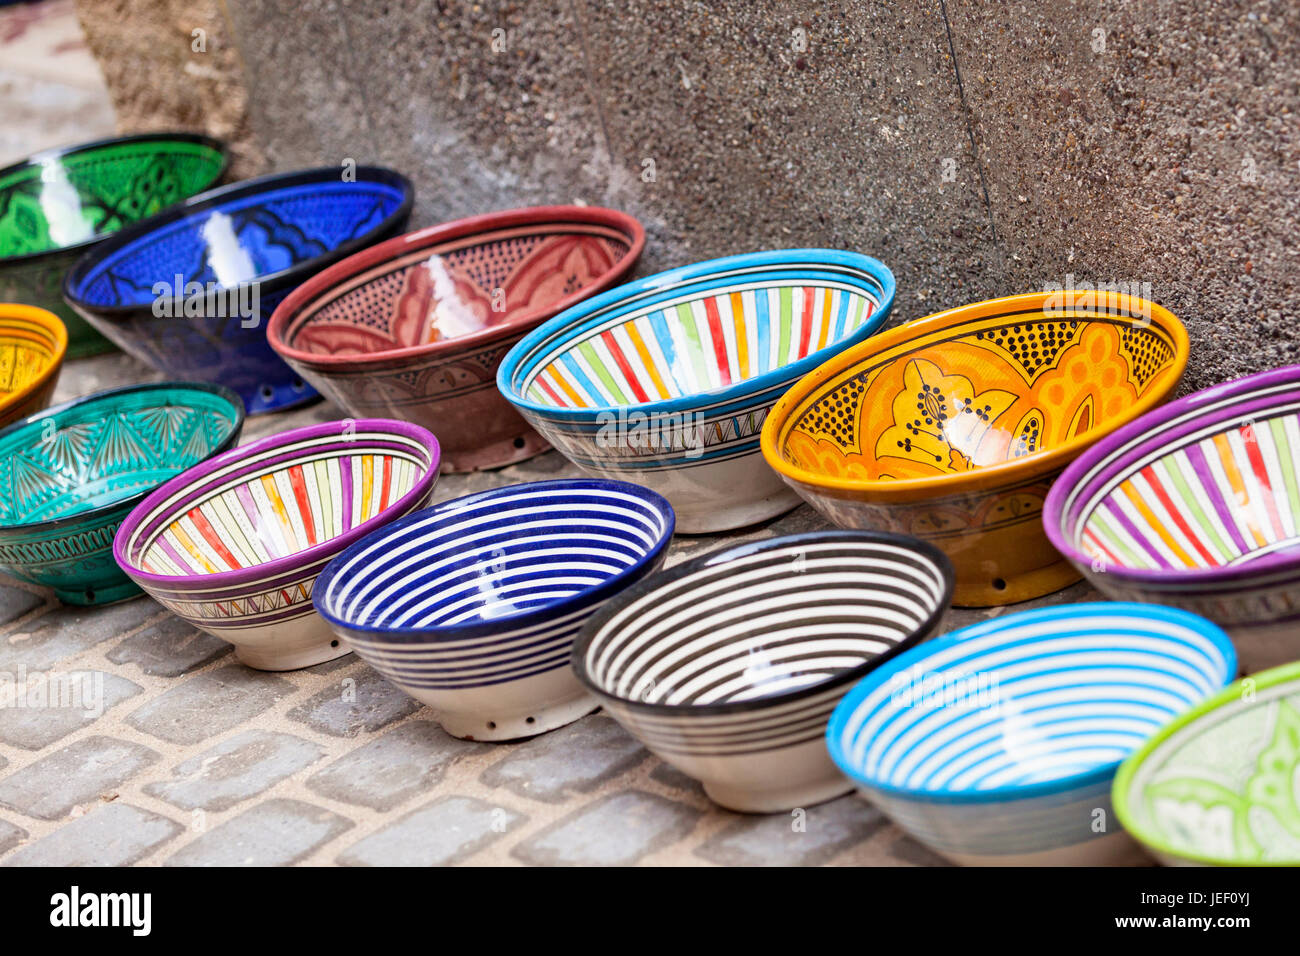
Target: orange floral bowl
{"type": "Point", "coordinates": [951, 428]}
{"type": "Point", "coordinates": [33, 343]}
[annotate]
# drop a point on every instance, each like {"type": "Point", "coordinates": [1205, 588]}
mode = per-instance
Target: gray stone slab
{"type": "Point", "coordinates": [10, 836]}
{"type": "Point", "coordinates": [357, 702]}
{"type": "Point", "coordinates": [15, 602]}
{"type": "Point", "coordinates": [617, 830]}
{"type": "Point", "coordinates": [58, 703]}
{"type": "Point", "coordinates": [574, 759]}
{"type": "Point", "coordinates": [385, 772]}
{"type": "Point", "coordinates": [209, 704]}
{"type": "Point", "coordinates": [116, 834]}
{"type": "Point", "coordinates": [169, 648]}
{"type": "Point", "coordinates": [79, 773]}
{"type": "Point", "coordinates": [441, 833]}
{"type": "Point", "coordinates": [234, 770]}
{"type": "Point", "coordinates": [274, 833]}
{"type": "Point", "coordinates": [802, 837]}
{"type": "Point", "coordinates": [64, 632]}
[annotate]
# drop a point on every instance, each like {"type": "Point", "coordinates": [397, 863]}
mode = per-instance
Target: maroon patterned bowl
{"type": "Point", "coordinates": [414, 328]}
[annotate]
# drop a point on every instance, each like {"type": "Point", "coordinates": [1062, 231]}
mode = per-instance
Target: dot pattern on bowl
{"type": "Point", "coordinates": [990, 390]}
{"type": "Point", "coordinates": [459, 287]}
{"type": "Point", "coordinates": [698, 341]}
{"type": "Point", "coordinates": [288, 498]}
{"type": "Point", "coordinates": [496, 556]}
{"type": "Point", "coordinates": [72, 198]}
{"type": "Point", "coordinates": [1029, 699]}
{"type": "Point", "coordinates": [243, 238]}
{"type": "Point", "coordinates": [764, 624]}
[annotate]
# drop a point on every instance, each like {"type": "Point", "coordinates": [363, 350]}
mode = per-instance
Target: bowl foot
{"type": "Point", "coordinates": [122, 591]}
{"type": "Point", "coordinates": [516, 726]}
{"type": "Point", "coordinates": [692, 518]}
{"type": "Point", "coordinates": [985, 588]}
{"type": "Point", "coordinates": [277, 398]}
{"type": "Point", "coordinates": [272, 658]}
{"type": "Point", "coordinates": [796, 796]}
{"type": "Point", "coordinates": [527, 444]}
{"type": "Point", "coordinates": [1113, 849]}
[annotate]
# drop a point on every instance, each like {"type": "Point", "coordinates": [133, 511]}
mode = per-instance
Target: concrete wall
{"type": "Point", "coordinates": [979, 148]}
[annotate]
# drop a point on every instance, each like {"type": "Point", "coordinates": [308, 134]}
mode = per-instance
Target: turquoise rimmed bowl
{"type": "Point", "coordinates": [72, 473]}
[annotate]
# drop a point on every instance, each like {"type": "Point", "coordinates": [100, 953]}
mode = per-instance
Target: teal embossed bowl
{"type": "Point", "coordinates": [69, 475]}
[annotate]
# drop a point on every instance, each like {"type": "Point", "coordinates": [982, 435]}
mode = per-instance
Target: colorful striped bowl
{"type": "Point", "coordinates": [189, 291]}
{"type": "Point", "coordinates": [416, 327]}
{"type": "Point", "coordinates": [471, 606]}
{"type": "Point", "coordinates": [72, 473]}
{"type": "Point", "coordinates": [1197, 505]}
{"type": "Point", "coordinates": [996, 745]}
{"type": "Point", "coordinates": [952, 428]}
{"type": "Point", "coordinates": [234, 545]}
{"type": "Point", "coordinates": [666, 381]}
{"type": "Point", "coordinates": [33, 343]}
{"type": "Point", "coordinates": [728, 666]}
{"type": "Point", "coordinates": [1218, 786]}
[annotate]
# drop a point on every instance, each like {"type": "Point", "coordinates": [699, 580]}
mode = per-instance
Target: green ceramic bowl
{"type": "Point", "coordinates": [55, 205]}
{"type": "Point", "coordinates": [1220, 786]}
{"type": "Point", "coordinates": [69, 475]}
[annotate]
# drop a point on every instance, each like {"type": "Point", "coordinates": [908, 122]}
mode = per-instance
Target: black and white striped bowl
{"type": "Point", "coordinates": [728, 666]}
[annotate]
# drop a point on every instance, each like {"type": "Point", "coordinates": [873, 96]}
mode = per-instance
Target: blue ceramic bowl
{"type": "Point", "coordinates": [471, 606]}
{"type": "Point", "coordinates": [189, 290]}
{"type": "Point", "coordinates": [997, 744]}
{"type": "Point", "coordinates": [72, 474]}
{"type": "Point", "coordinates": [666, 381]}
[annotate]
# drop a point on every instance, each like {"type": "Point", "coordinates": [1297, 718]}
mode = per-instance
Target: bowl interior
{"type": "Point", "coordinates": [978, 392]}
{"type": "Point", "coordinates": [1028, 700]}
{"type": "Point", "coordinates": [700, 336]}
{"type": "Point", "coordinates": [276, 499]}
{"type": "Point", "coordinates": [28, 349]}
{"type": "Point", "coordinates": [496, 556]}
{"type": "Point", "coordinates": [246, 236]}
{"type": "Point", "coordinates": [1209, 491]}
{"type": "Point", "coordinates": [760, 624]}
{"type": "Point", "coordinates": [65, 200]}
{"type": "Point", "coordinates": [107, 449]}
{"type": "Point", "coordinates": [460, 286]}
{"type": "Point", "coordinates": [1221, 787]}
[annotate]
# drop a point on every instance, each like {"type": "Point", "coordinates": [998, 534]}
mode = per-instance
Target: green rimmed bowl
{"type": "Point", "coordinates": [69, 475]}
{"type": "Point", "coordinates": [57, 204]}
{"type": "Point", "coordinates": [1220, 786]}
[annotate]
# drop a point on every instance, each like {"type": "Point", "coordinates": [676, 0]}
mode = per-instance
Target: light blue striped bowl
{"type": "Point", "coordinates": [996, 745]}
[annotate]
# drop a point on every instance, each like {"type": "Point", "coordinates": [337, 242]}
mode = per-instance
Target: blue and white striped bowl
{"type": "Point", "coordinates": [471, 606]}
{"type": "Point", "coordinates": [996, 744]}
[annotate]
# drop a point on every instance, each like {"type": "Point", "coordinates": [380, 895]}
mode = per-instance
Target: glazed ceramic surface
{"type": "Point", "coordinates": [1197, 505]}
{"type": "Point", "coordinates": [33, 343]}
{"type": "Point", "coordinates": [416, 327]}
{"type": "Point", "coordinates": [1221, 784]}
{"type": "Point", "coordinates": [71, 474]}
{"type": "Point", "coordinates": [57, 204]}
{"type": "Point", "coordinates": [666, 381]}
{"type": "Point", "coordinates": [952, 428]}
{"type": "Point", "coordinates": [997, 744]}
{"type": "Point", "coordinates": [189, 291]}
{"type": "Point", "coordinates": [471, 607]}
{"type": "Point", "coordinates": [235, 544]}
{"type": "Point", "coordinates": [729, 665]}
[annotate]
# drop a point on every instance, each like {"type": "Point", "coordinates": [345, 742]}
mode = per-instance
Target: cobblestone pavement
{"type": "Point", "coordinates": [198, 760]}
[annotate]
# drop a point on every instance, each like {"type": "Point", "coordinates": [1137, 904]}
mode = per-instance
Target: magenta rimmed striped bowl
{"type": "Point", "coordinates": [234, 545]}
{"type": "Point", "coordinates": [1197, 505]}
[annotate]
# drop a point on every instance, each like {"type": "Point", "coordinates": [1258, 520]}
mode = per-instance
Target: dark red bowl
{"type": "Point", "coordinates": [414, 328]}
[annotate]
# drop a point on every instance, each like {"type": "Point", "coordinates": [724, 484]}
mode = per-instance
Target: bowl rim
{"type": "Point", "coordinates": [54, 325]}
{"type": "Point", "coordinates": [537, 615]}
{"type": "Point", "coordinates": [269, 283]}
{"type": "Point", "coordinates": [328, 279]}
{"type": "Point", "coordinates": [726, 555]}
{"type": "Point", "coordinates": [563, 326]}
{"type": "Point", "coordinates": [1121, 788]}
{"type": "Point", "coordinates": [977, 479]}
{"type": "Point", "coordinates": [290, 562]}
{"type": "Point", "coordinates": [58, 152]}
{"type": "Point", "coordinates": [128, 503]}
{"type": "Point", "coordinates": [1093, 776]}
{"type": "Point", "coordinates": [1110, 455]}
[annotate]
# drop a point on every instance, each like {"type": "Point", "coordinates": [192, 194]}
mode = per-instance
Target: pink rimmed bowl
{"type": "Point", "coordinates": [234, 545]}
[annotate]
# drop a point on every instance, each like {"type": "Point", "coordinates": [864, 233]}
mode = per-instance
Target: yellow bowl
{"type": "Point", "coordinates": [32, 345]}
{"type": "Point", "coordinates": [951, 428]}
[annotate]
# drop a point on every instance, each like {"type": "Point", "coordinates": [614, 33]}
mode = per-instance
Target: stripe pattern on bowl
{"type": "Point", "coordinates": [27, 349]}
